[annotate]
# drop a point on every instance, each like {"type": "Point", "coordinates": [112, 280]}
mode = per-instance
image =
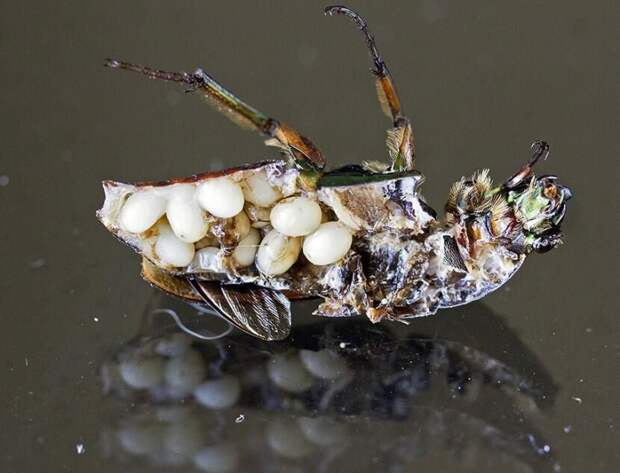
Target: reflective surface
{"type": "Point", "coordinates": [481, 80]}
{"type": "Point", "coordinates": [335, 389]}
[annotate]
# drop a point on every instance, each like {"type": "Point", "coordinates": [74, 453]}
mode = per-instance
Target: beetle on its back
{"type": "Point", "coordinates": [247, 240]}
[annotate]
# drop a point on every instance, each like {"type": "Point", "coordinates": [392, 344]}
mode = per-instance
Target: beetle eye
{"type": "Point", "coordinates": [550, 191]}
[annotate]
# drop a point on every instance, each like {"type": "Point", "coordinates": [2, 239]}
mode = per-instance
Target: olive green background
{"type": "Point", "coordinates": [480, 79]}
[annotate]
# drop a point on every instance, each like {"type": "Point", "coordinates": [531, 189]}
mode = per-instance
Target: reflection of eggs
{"type": "Point", "coordinates": [141, 439]}
{"type": "Point", "coordinates": [286, 439]}
{"type": "Point", "coordinates": [288, 373]}
{"type": "Point", "coordinates": [217, 459]}
{"type": "Point", "coordinates": [218, 393]}
{"type": "Point", "coordinates": [322, 431]}
{"type": "Point", "coordinates": [184, 438]}
{"type": "Point", "coordinates": [324, 364]}
{"type": "Point", "coordinates": [185, 372]}
{"type": "Point", "coordinates": [141, 373]}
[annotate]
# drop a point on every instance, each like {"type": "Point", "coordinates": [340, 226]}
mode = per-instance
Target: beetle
{"type": "Point", "coordinates": [249, 239]}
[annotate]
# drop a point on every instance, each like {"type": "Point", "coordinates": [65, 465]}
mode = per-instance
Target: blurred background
{"type": "Point", "coordinates": [480, 79]}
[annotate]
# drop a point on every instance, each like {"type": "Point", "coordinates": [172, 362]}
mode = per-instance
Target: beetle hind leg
{"type": "Point", "coordinates": [299, 148]}
{"type": "Point", "coordinates": [400, 140]}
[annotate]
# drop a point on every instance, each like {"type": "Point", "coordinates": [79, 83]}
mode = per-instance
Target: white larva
{"type": "Point", "coordinates": [258, 190]}
{"type": "Point", "coordinates": [171, 250]}
{"type": "Point", "coordinates": [221, 197]}
{"type": "Point", "coordinates": [277, 253]}
{"type": "Point", "coordinates": [296, 216]}
{"type": "Point", "coordinates": [141, 211]}
{"type": "Point", "coordinates": [329, 243]}
{"type": "Point", "coordinates": [218, 393]}
{"type": "Point", "coordinates": [246, 250]}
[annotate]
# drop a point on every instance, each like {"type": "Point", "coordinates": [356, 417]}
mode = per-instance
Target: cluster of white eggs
{"type": "Point", "coordinates": [172, 370]}
{"type": "Point", "coordinates": [176, 371]}
{"type": "Point", "coordinates": [295, 224]}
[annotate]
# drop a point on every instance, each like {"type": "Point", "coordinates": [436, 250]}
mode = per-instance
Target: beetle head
{"type": "Point", "coordinates": [539, 207]}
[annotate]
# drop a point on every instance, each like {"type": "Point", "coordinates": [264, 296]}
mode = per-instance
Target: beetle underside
{"type": "Point", "coordinates": [248, 239]}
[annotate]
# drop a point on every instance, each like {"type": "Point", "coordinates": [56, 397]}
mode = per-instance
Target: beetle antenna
{"type": "Point", "coordinates": [380, 67]}
{"type": "Point", "coordinates": [540, 149]}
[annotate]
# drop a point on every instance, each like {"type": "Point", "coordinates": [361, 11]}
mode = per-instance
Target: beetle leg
{"type": "Point", "coordinates": [400, 140]}
{"type": "Point", "coordinates": [304, 153]}
{"type": "Point", "coordinates": [540, 149]}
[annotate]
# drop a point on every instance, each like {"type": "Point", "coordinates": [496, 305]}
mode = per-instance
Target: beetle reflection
{"type": "Point", "coordinates": [336, 396]}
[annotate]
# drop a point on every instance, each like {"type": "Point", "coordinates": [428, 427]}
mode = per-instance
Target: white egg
{"type": "Point", "coordinates": [141, 211]}
{"type": "Point", "coordinates": [217, 459]}
{"type": "Point", "coordinates": [258, 190]}
{"type": "Point", "coordinates": [186, 371]}
{"type": "Point", "coordinates": [277, 253]}
{"type": "Point", "coordinates": [245, 252]}
{"type": "Point", "coordinates": [330, 242]}
{"type": "Point", "coordinates": [242, 224]}
{"type": "Point", "coordinates": [141, 373]}
{"type": "Point", "coordinates": [187, 219]}
{"type": "Point", "coordinates": [296, 216]}
{"type": "Point", "coordinates": [221, 197]}
{"type": "Point", "coordinates": [288, 373]}
{"type": "Point", "coordinates": [207, 259]}
{"type": "Point", "coordinates": [324, 364]}
{"type": "Point", "coordinates": [172, 250]}
{"type": "Point", "coordinates": [218, 393]}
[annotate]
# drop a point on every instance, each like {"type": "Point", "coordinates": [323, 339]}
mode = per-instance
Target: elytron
{"type": "Point", "coordinates": [247, 240]}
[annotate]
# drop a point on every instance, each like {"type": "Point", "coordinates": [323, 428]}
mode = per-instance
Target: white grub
{"type": "Point", "coordinates": [286, 439]}
{"type": "Point", "coordinates": [217, 459]}
{"type": "Point", "coordinates": [242, 225]}
{"type": "Point", "coordinates": [258, 190]}
{"type": "Point", "coordinates": [324, 364]}
{"type": "Point", "coordinates": [328, 244]}
{"type": "Point", "coordinates": [186, 371]}
{"type": "Point", "coordinates": [185, 216]}
{"type": "Point", "coordinates": [218, 393]}
{"type": "Point", "coordinates": [296, 216]}
{"type": "Point", "coordinates": [277, 253]}
{"type": "Point", "coordinates": [171, 250]}
{"type": "Point", "coordinates": [140, 211]}
{"type": "Point", "coordinates": [245, 252]}
{"type": "Point", "coordinates": [206, 259]}
{"type": "Point", "coordinates": [142, 373]}
{"type": "Point", "coordinates": [288, 373]}
{"type": "Point", "coordinates": [221, 197]}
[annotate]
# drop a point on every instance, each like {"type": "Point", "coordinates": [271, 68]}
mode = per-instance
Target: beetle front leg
{"type": "Point", "coordinates": [400, 140]}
